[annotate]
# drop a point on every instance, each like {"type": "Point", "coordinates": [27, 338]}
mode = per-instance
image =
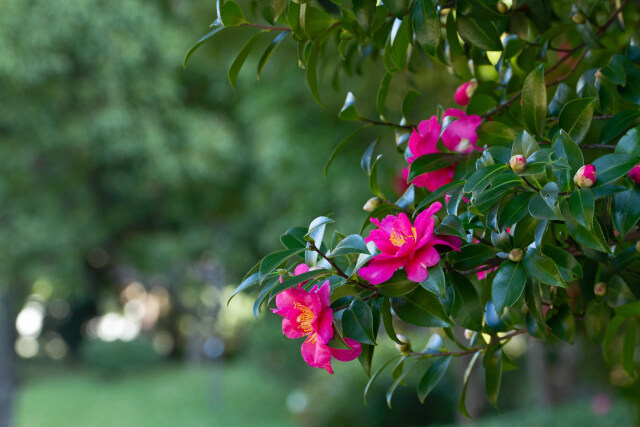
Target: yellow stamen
{"type": "Point", "coordinates": [398, 239]}
{"type": "Point", "coordinates": [304, 319]}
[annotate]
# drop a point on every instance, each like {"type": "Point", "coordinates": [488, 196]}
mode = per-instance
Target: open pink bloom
{"type": "Point", "coordinates": [460, 136]}
{"type": "Point", "coordinates": [634, 173]}
{"type": "Point", "coordinates": [407, 245]}
{"type": "Point", "coordinates": [308, 314]}
{"type": "Point", "coordinates": [465, 91]}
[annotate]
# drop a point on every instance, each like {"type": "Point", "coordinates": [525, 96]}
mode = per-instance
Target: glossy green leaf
{"type": "Point", "coordinates": [271, 9]}
{"type": "Point", "coordinates": [563, 324]}
{"type": "Point", "coordinates": [612, 166]}
{"type": "Point", "coordinates": [534, 101]}
{"type": "Point", "coordinates": [451, 226]}
{"type": "Point", "coordinates": [432, 377]}
{"type": "Point", "coordinates": [483, 177]}
{"type": "Point", "coordinates": [618, 124]}
{"type": "Point", "coordinates": [387, 320]}
{"type": "Point", "coordinates": [231, 14]}
{"type": "Point", "coordinates": [435, 282]}
{"type": "Point", "coordinates": [495, 133]}
{"type": "Point", "coordinates": [596, 320]}
{"type": "Point", "coordinates": [247, 283]}
{"type": "Point", "coordinates": [383, 90]}
{"type": "Point", "coordinates": [241, 58]}
{"type": "Point", "coordinates": [272, 261]}
{"type": "Point", "coordinates": [629, 143]}
{"type": "Point", "coordinates": [470, 256]}
{"type": "Point", "coordinates": [430, 163]}
{"type": "Point", "coordinates": [353, 244]}
{"type": "Point", "coordinates": [523, 234]}
{"type": "Point", "coordinates": [349, 112]}
{"type": "Point", "coordinates": [542, 268]}
{"type": "Point", "coordinates": [421, 308]}
{"type": "Point", "coordinates": [569, 268]}
{"type": "Point", "coordinates": [575, 118]}
{"type": "Point", "coordinates": [376, 375]}
{"type": "Point", "coordinates": [199, 43]}
{"type": "Point", "coordinates": [508, 285]}
{"type": "Point", "coordinates": [582, 205]}
{"type": "Point", "coordinates": [467, 310]}
{"type": "Point", "coordinates": [543, 205]}
{"type": "Point", "coordinates": [524, 144]}
{"type": "Point", "coordinates": [426, 25]}
{"type": "Point", "coordinates": [357, 322]}
{"type": "Point", "coordinates": [592, 238]}
{"type": "Point", "coordinates": [480, 33]}
{"type": "Point", "coordinates": [341, 146]}
{"type": "Point", "coordinates": [492, 362]}
{"type": "Point", "coordinates": [439, 193]}
{"type": "Point", "coordinates": [625, 211]}
{"type": "Point", "coordinates": [514, 211]}
{"type": "Point", "coordinates": [462, 407]}
{"type": "Point", "coordinates": [312, 73]}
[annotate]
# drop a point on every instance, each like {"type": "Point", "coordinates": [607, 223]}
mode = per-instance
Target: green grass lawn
{"type": "Point", "coordinates": [215, 395]}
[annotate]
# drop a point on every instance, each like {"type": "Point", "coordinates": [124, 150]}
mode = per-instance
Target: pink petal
{"type": "Point", "coordinates": [461, 97]}
{"type": "Point", "coordinates": [290, 329]}
{"type": "Point", "coordinates": [422, 219]}
{"type": "Point", "coordinates": [436, 179]}
{"type": "Point", "coordinates": [345, 355]}
{"type": "Point", "coordinates": [324, 325]}
{"type": "Point", "coordinates": [425, 140]}
{"type": "Point", "coordinates": [316, 354]}
{"type": "Point", "coordinates": [463, 128]}
{"type": "Point", "coordinates": [417, 268]}
{"type": "Point", "coordinates": [380, 269]}
{"type": "Point", "coordinates": [324, 293]}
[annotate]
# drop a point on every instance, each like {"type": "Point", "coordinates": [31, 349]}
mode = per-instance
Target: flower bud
{"type": "Point", "coordinates": [465, 91]}
{"type": "Point", "coordinates": [600, 289]}
{"type": "Point", "coordinates": [634, 173]}
{"type": "Point", "coordinates": [468, 334]}
{"type": "Point", "coordinates": [586, 176]}
{"type": "Point", "coordinates": [516, 255]}
{"type": "Point", "coordinates": [372, 204]}
{"type": "Point", "coordinates": [405, 347]}
{"type": "Point", "coordinates": [579, 18]}
{"type": "Point", "coordinates": [502, 8]}
{"type": "Point", "coordinates": [518, 163]}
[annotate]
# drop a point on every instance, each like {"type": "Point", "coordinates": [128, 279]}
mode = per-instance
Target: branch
{"type": "Point", "coordinates": [341, 273]}
{"type": "Point", "coordinates": [378, 123]}
{"type": "Point", "coordinates": [264, 27]}
{"type": "Point", "coordinates": [494, 340]}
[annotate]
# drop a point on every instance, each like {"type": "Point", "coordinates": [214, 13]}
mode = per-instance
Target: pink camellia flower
{"type": "Point", "coordinates": [460, 136]}
{"type": "Point", "coordinates": [634, 173]}
{"type": "Point", "coordinates": [407, 245]}
{"type": "Point", "coordinates": [465, 91]}
{"type": "Point", "coordinates": [586, 176]}
{"type": "Point", "coordinates": [308, 314]}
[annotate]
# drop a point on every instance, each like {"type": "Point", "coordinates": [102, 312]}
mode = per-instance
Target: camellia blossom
{"type": "Point", "coordinates": [460, 136]}
{"type": "Point", "coordinates": [308, 314]}
{"type": "Point", "coordinates": [634, 173]}
{"type": "Point", "coordinates": [407, 245]}
{"type": "Point", "coordinates": [465, 91]}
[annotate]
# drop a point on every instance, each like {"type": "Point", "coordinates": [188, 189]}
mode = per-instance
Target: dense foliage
{"type": "Point", "coordinates": [520, 213]}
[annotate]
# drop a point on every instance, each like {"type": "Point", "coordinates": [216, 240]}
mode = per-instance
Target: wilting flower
{"type": "Point", "coordinates": [308, 314]}
{"type": "Point", "coordinates": [465, 91]}
{"type": "Point", "coordinates": [586, 176]}
{"type": "Point", "coordinates": [634, 173]}
{"type": "Point", "coordinates": [460, 136]}
{"type": "Point", "coordinates": [407, 245]}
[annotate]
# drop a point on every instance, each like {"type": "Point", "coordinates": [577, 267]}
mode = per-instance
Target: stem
{"type": "Point", "coordinates": [264, 27]}
{"type": "Point", "coordinates": [341, 273]}
{"type": "Point", "coordinates": [570, 72]}
{"type": "Point", "coordinates": [605, 117]}
{"type": "Point", "coordinates": [472, 350]}
{"type": "Point", "coordinates": [493, 262]}
{"type": "Point", "coordinates": [529, 184]}
{"type": "Point", "coordinates": [395, 125]}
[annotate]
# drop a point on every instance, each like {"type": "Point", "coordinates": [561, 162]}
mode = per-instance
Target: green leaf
{"type": "Point", "coordinates": [440, 192]}
{"type": "Point", "coordinates": [400, 39]}
{"type": "Point", "coordinates": [592, 238]}
{"type": "Point", "coordinates": [387, 320]}
{"type": "Point", "coordinates": [435, 281]}
{"type": "Point", "coordinates": [582, 205]}
{"type": "Point", "coordinates": [524, 144]}
{"type": "Point", "coordinates": [610, 335]}
{"type": "Point", "coordinates": [625, 211]}
{"type": "Point", "coordinates": [272, 9]}
{"type": "Point", "coordinates": [499, 187]}
{"type": "Point", "coordinates": [470, 256]}
{"type": "Point", "coordinates": [467, 310]}
{"type": "Point", "coordinates": [267, 286]}
{"type": "Point", "coordinates": [353, 244]}
{"type": "Point", "coordinates": [399, 380]}
{"type": "Point", "coordinates": [596, 320]}
{"type": "Point", "coordinates": [432, 377]}
{"type": "Point", "coordinates": [451, 226]}
{"type": "Point", "coordinates": [483, 177]}
{"type": "Point", "coordinates": [315, 235]}
{"type": "Point", "coordinates": [542, 268]}
{"type": "Point", "coordinates": [312, 74]}
{"type": "Point", "coordinates": [408, 101]}
{"type": "Point", "coordinates": [508, 285]}
{"type": "Point", "coordinates": [383, 89]}
{"type": "Point", "coordinates": [534, 302]}
{"type": "Point", "coordinates": [247, 283]}
{"type": "Point", "coordinates": [398, 8]}
{"type": "Point", "coordinates": [467, 374]}
{"type": "Point", "coordinates": [562, 95]}
{"type": "Point", "coordinates": [373, 178]}
{"type": "Point", "coordinates": [612, 166]}
{"type": "Point", "coordinates": [200, 42]}
{"type": "Point", "coordinates": [514, 211]}
{"type": "Point", "coordinates": [523, 235]}
{"type": "Point", "coordinates": [242, 57]}
{"type": "Point", "coordinates": [295, 280]}
{"type": "Point", "coordinates": [426, 25]}
{"type": "Point", "coordinates": [563, 325]}
{"type": "Point", "coordinates": [341, 146]}
{"type": "Point", "coordinates": [272, 261]}
{"type": "Point", "coordinates": [618, 292]}
{"type": "Point", "coordinates": [293, 238]}
{"type": "Point", "coordinates": [631, 91]}
{"type": "Point", "coordinates": [376, 374]}
{"type": "Point", "coordinates": [543, 205]}
{"type": "Point", "coordinates": [316, 22]}
{"type": "Point", "coordinates": [231, 14]}
{"type": "Point", "coordinates": [349, 112]}
{"type": "Point", "coordinates": [565, 148]}
{"type": "Point", "coordinates": [495, 133]}
{"type": "Point", "coordinates": [357, 322]}
{"type": "Point", "coordinates": [534, 101]}
{"type": "Point", "coordinates": [421, 308]}
{"type": "Point", "coordinates": [629, 143]}
{"type": "Point", "coordinates": [629, 348]}
{"type": "Point", "coordinates": [616, 125]}
{"type": "Point", "coordinates": [615, 70]}
{"type": "Point", "coordinates": [492, 362]}
{"type": "Point", "coordinates": [430, 163]}
{"type": "Point", "coordinates": [480, 33]}
{"type": "Point", "coordinates": [397, 286]}
{"type": "Point", "coordinates": [629, 310]}
{"type": "Point", "coordinates": [269, 50]}
{"type": "Point", "coordinates": [575, 118]}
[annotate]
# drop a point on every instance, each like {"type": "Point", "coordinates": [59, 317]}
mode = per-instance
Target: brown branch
{"type": "Point", "coordinates": [378, 123]}
{"type": "Point", "coordinates": [494, 340]}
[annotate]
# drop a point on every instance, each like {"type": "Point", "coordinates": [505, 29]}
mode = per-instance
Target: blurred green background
{"type": "Point", "coordinates": [135, 195]}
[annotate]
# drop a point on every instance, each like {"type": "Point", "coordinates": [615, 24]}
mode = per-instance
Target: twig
{"type": "Point", "coordinates": [494, 340]}
{"type": "Point", "coordinates": [395, 125]}
{"type": "Point", "coordinates": [264, 27]}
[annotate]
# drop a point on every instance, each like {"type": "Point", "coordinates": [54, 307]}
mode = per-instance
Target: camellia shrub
{"type": "Point", "coordinates": [522, 203]}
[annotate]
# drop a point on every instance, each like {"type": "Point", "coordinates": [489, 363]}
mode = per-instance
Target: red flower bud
{"type": "Point", "coordinates": [518, 163]}
{"type": "Point", "coordinates": [465, 91]}
{"type": "Point", "coordinates": [634, 173]}
{"type": "Point", "coordinates": [586, 176]}
{"type": "Point", "coordinates": [600, 289]}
